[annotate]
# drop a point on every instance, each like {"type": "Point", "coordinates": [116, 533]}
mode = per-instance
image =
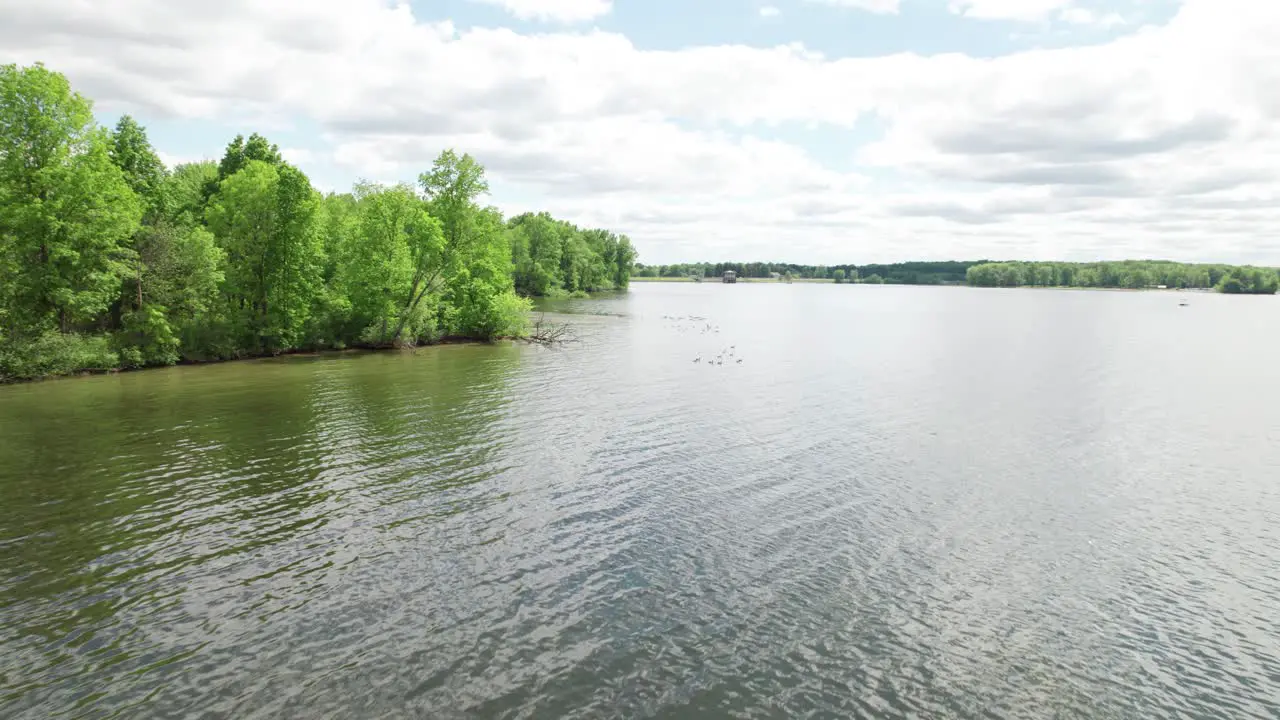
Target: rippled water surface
{"type": "Point", "coordinates": [929, 502]}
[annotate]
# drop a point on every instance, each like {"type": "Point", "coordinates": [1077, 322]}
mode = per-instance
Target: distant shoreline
{"type": "Point", "coordinates": [829, 281]}
{"type": "Point", "coordinates": [741, 280]}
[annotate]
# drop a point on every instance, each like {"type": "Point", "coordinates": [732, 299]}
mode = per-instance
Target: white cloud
{"type": "Point", "coordinates": [1111, 20]}
{"type": "Point", "coordinates": [883, 7]}
{"type": "Point", "coordinates": [1085, 16]}
{"type": "Point", "coordinates": [769, 11]}
{"type": "Point", "coordinates": [171, 160]}
{"type": "Point", "coordinates": [558, 11]}
{"type": "Point", "coordinates": [1023, 10]}
{"type": "Point", "coordinates": [1163, 142]}
{"type": "Point", "coordinates": [299, 156]}
{"type": "Point", "coordinates": [1077, 16]}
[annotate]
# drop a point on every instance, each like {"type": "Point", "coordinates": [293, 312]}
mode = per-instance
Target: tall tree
{"type": "Point", "coordinates": [66, 211]}
{"type": "Point", "coordinates": [131, 151]}
{"type": "Point", "coordinates": [239, 154]}
{"type": "Point", "coordinates": [265, 219]}
{"type": "Point", "coordinates": [389, 261]}
{"type": "Point", "coordinates": [185, 191]}
{"type": "Point", "coordinates": [452, 186]}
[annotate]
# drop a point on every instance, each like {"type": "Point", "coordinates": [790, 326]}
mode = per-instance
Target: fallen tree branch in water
{"type": "Point", "coordinates": [549, 334]}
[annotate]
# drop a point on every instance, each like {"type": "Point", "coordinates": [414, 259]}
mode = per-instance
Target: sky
{"type": "Point", "coordinates": [808, 131]}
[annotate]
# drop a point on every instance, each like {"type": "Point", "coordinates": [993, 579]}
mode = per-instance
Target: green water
{"type": "Point", "coordinates": [937, 502]}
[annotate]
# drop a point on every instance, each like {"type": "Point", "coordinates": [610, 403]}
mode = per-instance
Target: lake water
{"type": "Point", "coordinates": [903, 502]}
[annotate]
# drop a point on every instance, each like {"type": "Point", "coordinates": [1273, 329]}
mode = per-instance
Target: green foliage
{"type": "Point", "coordinates": [907, 273]}
{"type": "Point", "coordinates": [1249, 281]}
{"type": "Point", "coordinates": [147, 339]}
{"type": "Point", "coordinates": [131, 151]}
{"type": "Point", "coordinates": [387, 265]}
{"type": "Point", "coordinates": [479, 291]}
{"type": "Point", "coordinates": [241, 152]}
{"type": "Point", "coordinates": [184, 269]}
{"type": "Point", "coordinates": [1131, 274]}
{"type": "Point", "coordinates": [553, 257]}
{"type": "Point", "coordinates": [56, 353]}
{"type": "Point", "coordinates": [111, 261]}
{"type": "Point", "coordinates": [185, 188]}
{"type": "Point", "coordinates": [66, 212]}
{"type": "Point", "coordinates": [264, 216]}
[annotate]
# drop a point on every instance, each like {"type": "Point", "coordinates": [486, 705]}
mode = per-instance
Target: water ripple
{"type": "Point", "coordinates": [925, 516]}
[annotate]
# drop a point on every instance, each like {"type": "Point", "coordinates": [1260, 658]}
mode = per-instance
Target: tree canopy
{"type": "Point", "coordinates": [110, 259]}
{"type": "Point", "coordinates": [1130, 274]}
{"type": "Point", "coordinates": [907, 273]}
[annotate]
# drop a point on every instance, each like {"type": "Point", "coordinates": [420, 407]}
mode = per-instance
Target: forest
{"type": "Point", "coordinates": [1131, 274]}
{"type": "Point", "coordinates": [907, 273]}
{"type": "Point", "coordinates": [110, 260]}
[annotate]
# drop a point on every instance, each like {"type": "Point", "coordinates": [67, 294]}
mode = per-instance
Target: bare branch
{"type": "Point", "coordinates": [550, 334]}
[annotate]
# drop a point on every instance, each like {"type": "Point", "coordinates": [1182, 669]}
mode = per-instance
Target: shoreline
{"type": "Point", "coordinates": [443, 342]}
{"type": "Point", "coordinates": [829, 281]}
{"type": "Point", "coordinates": [716, 280]}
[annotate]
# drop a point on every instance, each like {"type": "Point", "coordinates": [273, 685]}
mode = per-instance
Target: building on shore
{"type": "Point", "coordinates": [730, 276]}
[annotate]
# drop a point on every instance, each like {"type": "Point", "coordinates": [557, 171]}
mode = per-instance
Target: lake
{"type": "Point", "coordinates": [902, 502]}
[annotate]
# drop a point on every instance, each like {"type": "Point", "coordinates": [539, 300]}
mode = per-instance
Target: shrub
{"type": "Point", "coordinates": [56, 354]}
{"type": "Point", "coordinates": [147, 339]}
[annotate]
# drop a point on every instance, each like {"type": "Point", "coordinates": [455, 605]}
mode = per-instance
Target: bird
{"type": "Point", "coordinates": [698, 359]}
{"type": "Point", "coordinates": [739, 361]}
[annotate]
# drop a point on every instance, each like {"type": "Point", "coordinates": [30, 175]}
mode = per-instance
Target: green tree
{"type": "Point", "coordinates": [479, 297]}
{"type": "Point", "coordinates": [623, 259]}
{"type": "Point", "coordinates": [474, 261]}
{"type": "Point", "coordinates": [388, 264]}
{"type": "Point", "coordinates": [452, 187]}
{"type": "Point", "coordinates": [537, 249]}
{"type": "Point", "coordinates": [66, 211]}
{"type": "Point", "coordinates": [238, 155]}
{"type": "Point", "coordinates": [241, 152]}
{"type": "Point", "coordinates": [264, 217]}
{"type": "Point", "coordinates": [185, 270]}
{"type": "Point", "coordinates": [838, 274]}
{"type": "Point", "coordinates": [185, 191]}
{"type": "Point", "coordinates": [131, 151]}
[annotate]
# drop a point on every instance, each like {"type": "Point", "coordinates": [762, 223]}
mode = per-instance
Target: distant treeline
{"type": "Point", "coordinates": [907, 273]}
{"type": "Point", "coordinates": [1132, 274]}
{"type": "Point", "coordinates": [109, 259]}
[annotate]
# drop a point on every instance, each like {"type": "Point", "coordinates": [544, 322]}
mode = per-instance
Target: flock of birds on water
{"type": "Point", "coordinates": [704, 327]}
{"type": "Point", "coordinates": [719, 359]}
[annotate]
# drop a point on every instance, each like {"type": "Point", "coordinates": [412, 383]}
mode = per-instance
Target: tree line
{"type": "Point", "coordinates": [110, 260]}
{"type": "Point", "coordinates": [1131, 274]}
{"type": "Point", "coordinates": [906, 273]}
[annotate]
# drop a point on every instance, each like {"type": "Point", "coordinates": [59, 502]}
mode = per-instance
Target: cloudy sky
{"type": "Point", "coordinates": [802, 130]}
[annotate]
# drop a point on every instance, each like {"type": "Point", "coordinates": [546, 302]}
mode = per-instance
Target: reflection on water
{"type": "Point", "coordinates": [904, 501]}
